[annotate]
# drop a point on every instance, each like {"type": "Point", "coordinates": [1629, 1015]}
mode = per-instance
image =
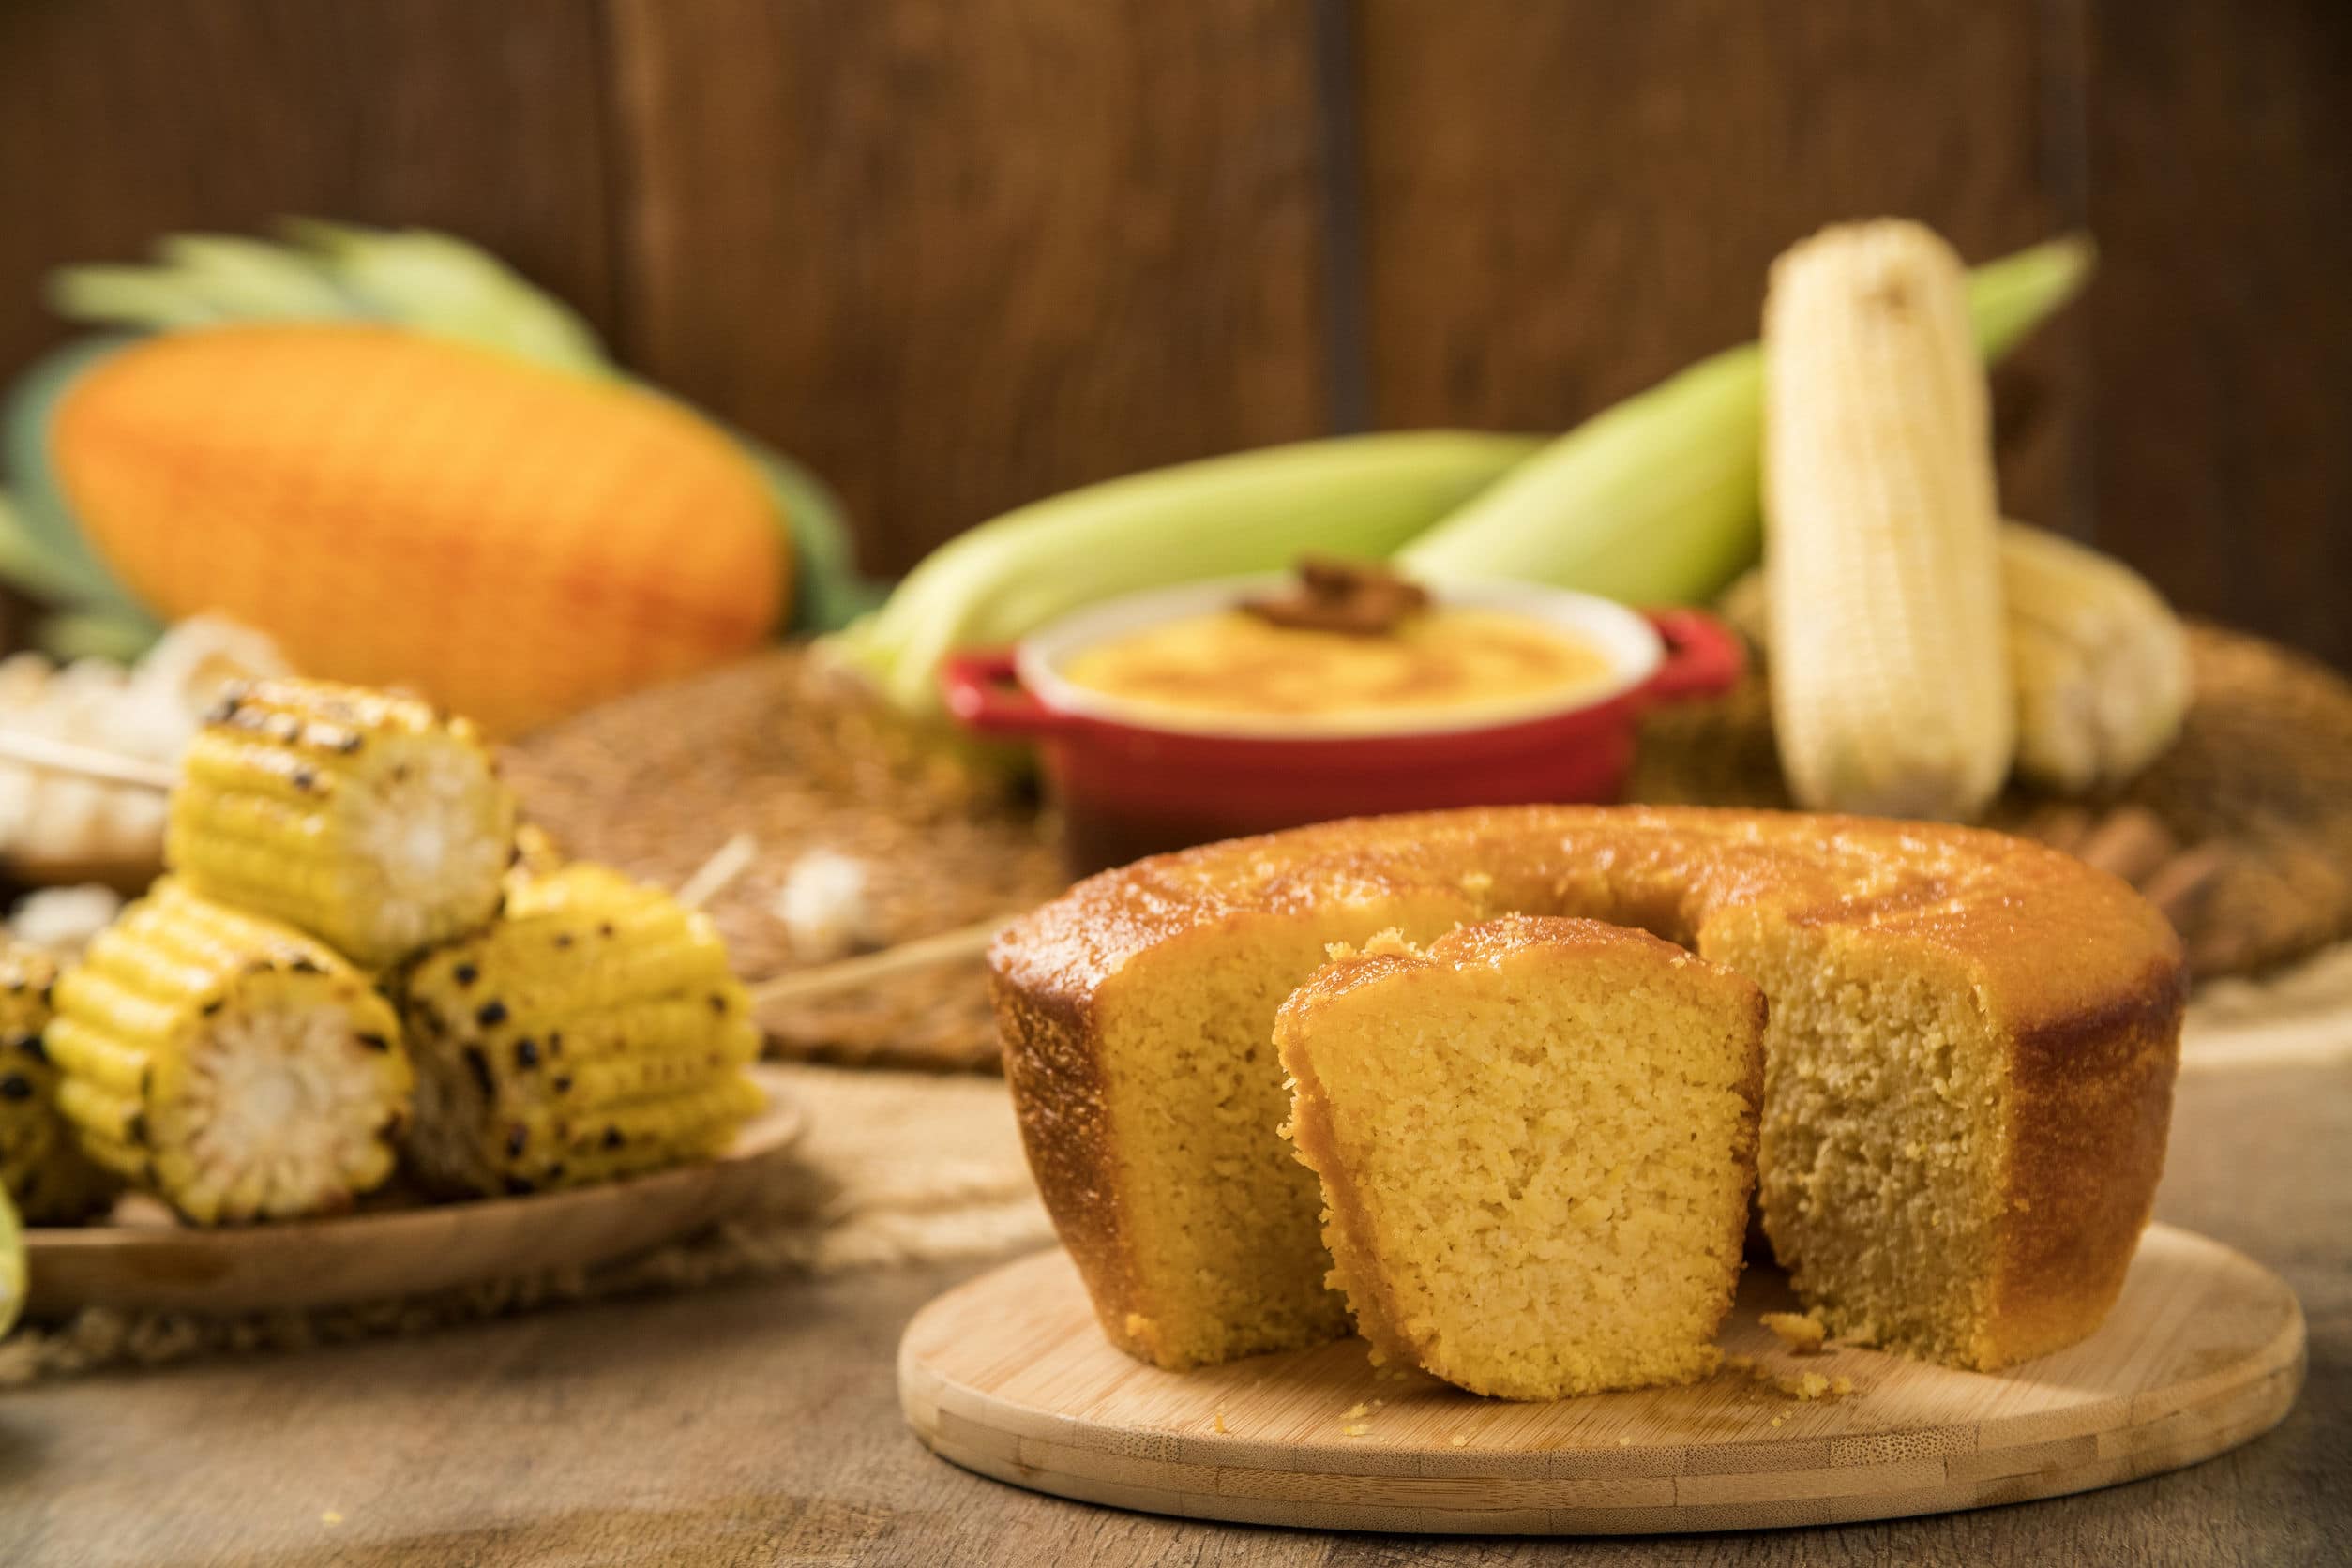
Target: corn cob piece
{"type": "Point", "coordinates": [2100, 661]}
{"type": "Point", "coordinates": [42, 1166]}
{"type": "Point", "coordinates": [1890, 690]}
{"type": "Point", "coordinates": [366, 819]}
{"type": "Point", "coordinates": [593, 1032]}
{"type": "Point", "coordinates": [229, 1064]}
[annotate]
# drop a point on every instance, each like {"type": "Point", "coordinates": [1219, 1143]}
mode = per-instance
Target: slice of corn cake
{"type": "Point", "coordinates": [1536, 1141]}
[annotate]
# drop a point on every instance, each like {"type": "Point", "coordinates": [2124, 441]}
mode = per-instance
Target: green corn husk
{"type": "Point", "coordinates": [1360, 496]}
{"type": "Point", "coordinates": [1658, 500]}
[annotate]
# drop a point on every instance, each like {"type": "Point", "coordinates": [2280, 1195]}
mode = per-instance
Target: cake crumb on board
{"type": "Point", "coordinates": [1801, 1334]}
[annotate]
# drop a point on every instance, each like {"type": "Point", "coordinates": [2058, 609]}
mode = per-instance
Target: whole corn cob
{"type": "Point", "coordinates": [593, 1032]}
{"type": "Point", "coordinates": [391, 506]}
{"type": "Point", "coordinates": [366, 819]}
{"type": "Point", "coordinates": [229, 1064]}
{"type": "Point", "coordinates": [2100, 661]}
{"type": "Point", "coordinates": [42, 1166]}
{"type": "Point", "coordinates": [1655, 501]}
{"type": "Point", "coordinates": [1891, 690]}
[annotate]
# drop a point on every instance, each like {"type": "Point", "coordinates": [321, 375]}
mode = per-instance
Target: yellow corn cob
{"type": "Point", "coordinates": [364, 819]}
{"type": "Point", "coordinates": [593, 1032]}
{"type": "Point", "coordinates": [230, 1065]}
{"type": "Point", "coordinates": [42, 1166]}
{"type": "Point", "coordinates": [2100, 661]}
{"type": "Point", "coordinates": [1890, 690]}
{"type": "Point", "coordinates": [395, 507]}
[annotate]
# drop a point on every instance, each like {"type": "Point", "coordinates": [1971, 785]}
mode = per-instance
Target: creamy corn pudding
{"type": "Point", "coordinates": [1437, 665]}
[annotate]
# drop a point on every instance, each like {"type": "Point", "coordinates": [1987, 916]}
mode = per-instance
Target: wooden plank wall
{"type": "Point", "coordinates": [961, 253]}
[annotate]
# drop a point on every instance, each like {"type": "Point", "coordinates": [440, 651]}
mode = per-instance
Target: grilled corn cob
{"type": "Point", "coordinates": [232, 1066]}
{"type": "Point", "coordinates": [2100, 661]}
{"type": "Point", "coordinates": [366, 819]}
{"type": "Point", "coordinates": [42, 1166]}
{"type": "Point", "coordinates": [1890, 690]}
{"type": "Point", "coordinates": [593, 1032]}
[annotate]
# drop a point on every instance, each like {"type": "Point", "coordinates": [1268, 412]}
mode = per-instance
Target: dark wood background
{"type": "Point", "coordinates": [962, 253]}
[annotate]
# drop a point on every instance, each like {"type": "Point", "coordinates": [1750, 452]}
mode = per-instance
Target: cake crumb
{"type": "Point", "coordinates": [332, 1517]}
{"type": "Point", "coordinates": [1220, 1421]}
{"type": "Point", "coordinates": [1626, 1441]}
{"type": "Point", "coordinates": [1359, 1408]}
{"type": "Point", "coordinates": [1810, 1386]}
{"type": "Point", "coordinates": [1458, 1440]}
{"type": "Point", "coordinates": [1801, 1333]}
{"type": "Point", "coordinates": [1355, 1430]}
{"type": "Point", "coordinates": [1390, 943]}
{"type": "Point", "coordinates": [1841, 1387]}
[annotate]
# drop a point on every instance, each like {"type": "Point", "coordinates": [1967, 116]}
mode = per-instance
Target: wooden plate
{"type": "Point", "coordinates": [1009, 1376]}
{"type": "Point", "coordinates": [404, 1252]}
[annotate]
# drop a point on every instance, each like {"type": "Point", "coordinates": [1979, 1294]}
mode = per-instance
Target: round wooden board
{"type": "Point", "coordinates": [1008, 1376]}
{"type": "Point", "coordinates": [371, 1256]}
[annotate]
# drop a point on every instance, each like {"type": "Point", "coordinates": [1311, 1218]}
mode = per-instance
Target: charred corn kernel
{"type": "Point", "coordinates": [593, 1032]}
{"type": "Point", "coordinates": [1890, 686]}
{"type": "Point", "coordinates": [227, 1064]}
{"type": "Point", "coordinates": [42, 1166]}
{"type": "Point", "coordinates": [364, 819]}
{"type": "Point", "coordinates": [2101, 662]}
{"type": "Point", "coordinates": [395, 506]}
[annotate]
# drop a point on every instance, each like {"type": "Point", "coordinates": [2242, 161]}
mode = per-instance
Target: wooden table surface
{"type": "Point", "coordinates": [759, 1424]}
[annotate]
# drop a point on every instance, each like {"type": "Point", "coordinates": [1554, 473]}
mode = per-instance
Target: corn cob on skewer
{"type": "Point", "coordinates": [230, 1065]}
{"type": "Point", "coordinates": [593, 1032]}
{"type": "Point", "coordinates": [364, 819]}
{"type": "Point", "coordinates": [2101, 662]}
{"type": "Point", "coordinates": [1891, 691]}
{"type": "Point", "coordinates": [42, 1166]}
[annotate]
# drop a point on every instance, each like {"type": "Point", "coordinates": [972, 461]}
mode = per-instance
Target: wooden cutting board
{"type": "Point", "coordinates": [1008, 1376]}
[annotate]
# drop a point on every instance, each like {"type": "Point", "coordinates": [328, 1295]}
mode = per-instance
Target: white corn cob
{"type": "Point", "coordinates": [1891, 688]}
{"type": "Point", "coordinates": [2101, 662]}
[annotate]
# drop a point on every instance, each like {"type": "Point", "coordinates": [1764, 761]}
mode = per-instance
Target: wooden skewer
{"type": "Point", "coordinates": [945, 947]}
{"type": "Point", "coordinates": [964, 942]}
{"type": "Point", "coordinates": [106, 767]}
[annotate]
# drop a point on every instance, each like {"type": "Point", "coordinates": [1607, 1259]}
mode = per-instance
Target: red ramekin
{"type": "Point", "coordinates": [1131, 780]}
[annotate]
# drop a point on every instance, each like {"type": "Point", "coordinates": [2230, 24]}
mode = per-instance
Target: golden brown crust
{"type": "Point", "coordinates": [2077, 972]}
{"type": "Point", "coordinates": [2090, 1103]}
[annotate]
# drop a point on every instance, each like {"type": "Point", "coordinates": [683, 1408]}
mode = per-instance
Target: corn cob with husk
{"type": "Point", "coordinates": [1655, 501]}
{"type": "Point", "coordinates": [2100, 662]}
{"type": "Point", "coordinates": [593, 1032]}
{"type": "Point", "coordinates": [397, 417]}
{"type": "Point", "coordinates": [230, 1065]}
{"type": "Point", "coordinates": [366, 819]}
{"type": "Point", "coordinates": [42, 1166]}
{"type": "Point", "coordinates": [1891, 691]}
